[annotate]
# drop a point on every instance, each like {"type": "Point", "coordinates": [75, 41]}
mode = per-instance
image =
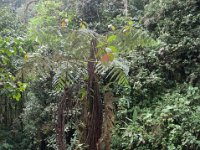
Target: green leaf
{"type": "Point", "coordinates": [100, 45]}
{"type": "Point", "coordinates": [17, 96]}
{"type": "Point", "coordinates": [113, 28]}
{"type": "Point", "coordinates": [100, 52]}
{"type": "Point", "coordinates": [111, 57]}
{"type": "Point", "coordinates": [114, 49]}
{"type": "Point", "coordinates": [9, 52]}
{"type": "Point", "coordinates": [22, 86]}
{"type": "Point", "coordinates": [111, 38]}
{"type": "Point", "coordinates": [130, 23]}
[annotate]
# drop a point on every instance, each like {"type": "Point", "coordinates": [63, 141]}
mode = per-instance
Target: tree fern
{"type": "Point", "coordinates": [116, 72]}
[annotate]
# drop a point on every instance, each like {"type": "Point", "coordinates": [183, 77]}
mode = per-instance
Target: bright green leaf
{"type": "Point", "coordinates": [111, 38]}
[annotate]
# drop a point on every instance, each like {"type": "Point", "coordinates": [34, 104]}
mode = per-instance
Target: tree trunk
{"type": "Point", "coordinates": [125, 7]}
{"type": "Point", "coordinates": [95, 115]}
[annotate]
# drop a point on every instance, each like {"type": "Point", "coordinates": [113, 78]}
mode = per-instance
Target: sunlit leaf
{"type": "Point", "coordinates": [17, 96]}
{"type": "Point", "coordinates": [114, 49]}
{"type": "Point", "coordinates": [111, 38]}
{"type": "Point", "coordinates": [111, 56]}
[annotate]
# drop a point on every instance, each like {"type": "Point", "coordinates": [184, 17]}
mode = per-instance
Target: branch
{"type": "Point", "coordinates": [27, 6]}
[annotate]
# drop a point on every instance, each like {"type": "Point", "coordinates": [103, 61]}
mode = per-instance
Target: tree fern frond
{"type": "Point", "coordinates": [67, 74]}
{"type": "Point", "coordinates": [116, 72]}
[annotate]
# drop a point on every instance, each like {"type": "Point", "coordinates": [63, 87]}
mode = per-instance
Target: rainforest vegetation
{"type": "Point", "coordinates": [99, 74]}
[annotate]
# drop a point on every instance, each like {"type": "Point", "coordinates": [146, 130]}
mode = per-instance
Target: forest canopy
{"type": "Point", "coordinates": [99, 75]}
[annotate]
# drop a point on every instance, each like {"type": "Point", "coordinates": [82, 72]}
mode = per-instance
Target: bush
{"type": "Point", "coordinates": [171, 123]}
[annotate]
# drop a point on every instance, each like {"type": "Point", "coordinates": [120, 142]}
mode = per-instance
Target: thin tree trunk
{"type": "Point", "coordinates": [6, 111]}
{"type": "Point", "coordinates": [125, 7]}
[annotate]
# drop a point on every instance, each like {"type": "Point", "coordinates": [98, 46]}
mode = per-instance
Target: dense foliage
{"type": "Point", "coordinates": [99, 75]}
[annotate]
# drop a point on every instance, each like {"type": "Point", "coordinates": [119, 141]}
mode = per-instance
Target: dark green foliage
{"type": "Point", "coordinates": [170, 123]}
{"type": "Point", "coordinates": [9, 23]}
{"type": "Point", "coordinates": [37, 123]}
{"type": "Point", "coordinates": [89, 10]}
{"type": "Point", "coordinates": [99, 14]}
{"type": "Point", "coordinates": [177, 24]}
{"type": "Point", "coordinates": [136, 7]}
{"type": "Point", "coordinates": [152, 70]}
{"type": "Point", "coordinates": [162, 109]}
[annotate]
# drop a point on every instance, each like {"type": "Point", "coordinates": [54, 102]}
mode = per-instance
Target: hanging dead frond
{"type": "Point", "coordinates": [108, 122]}
{"type": "Point", "coordinates": [65, 114]}
{"type": "Point", "coordinates": [60, 119]}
